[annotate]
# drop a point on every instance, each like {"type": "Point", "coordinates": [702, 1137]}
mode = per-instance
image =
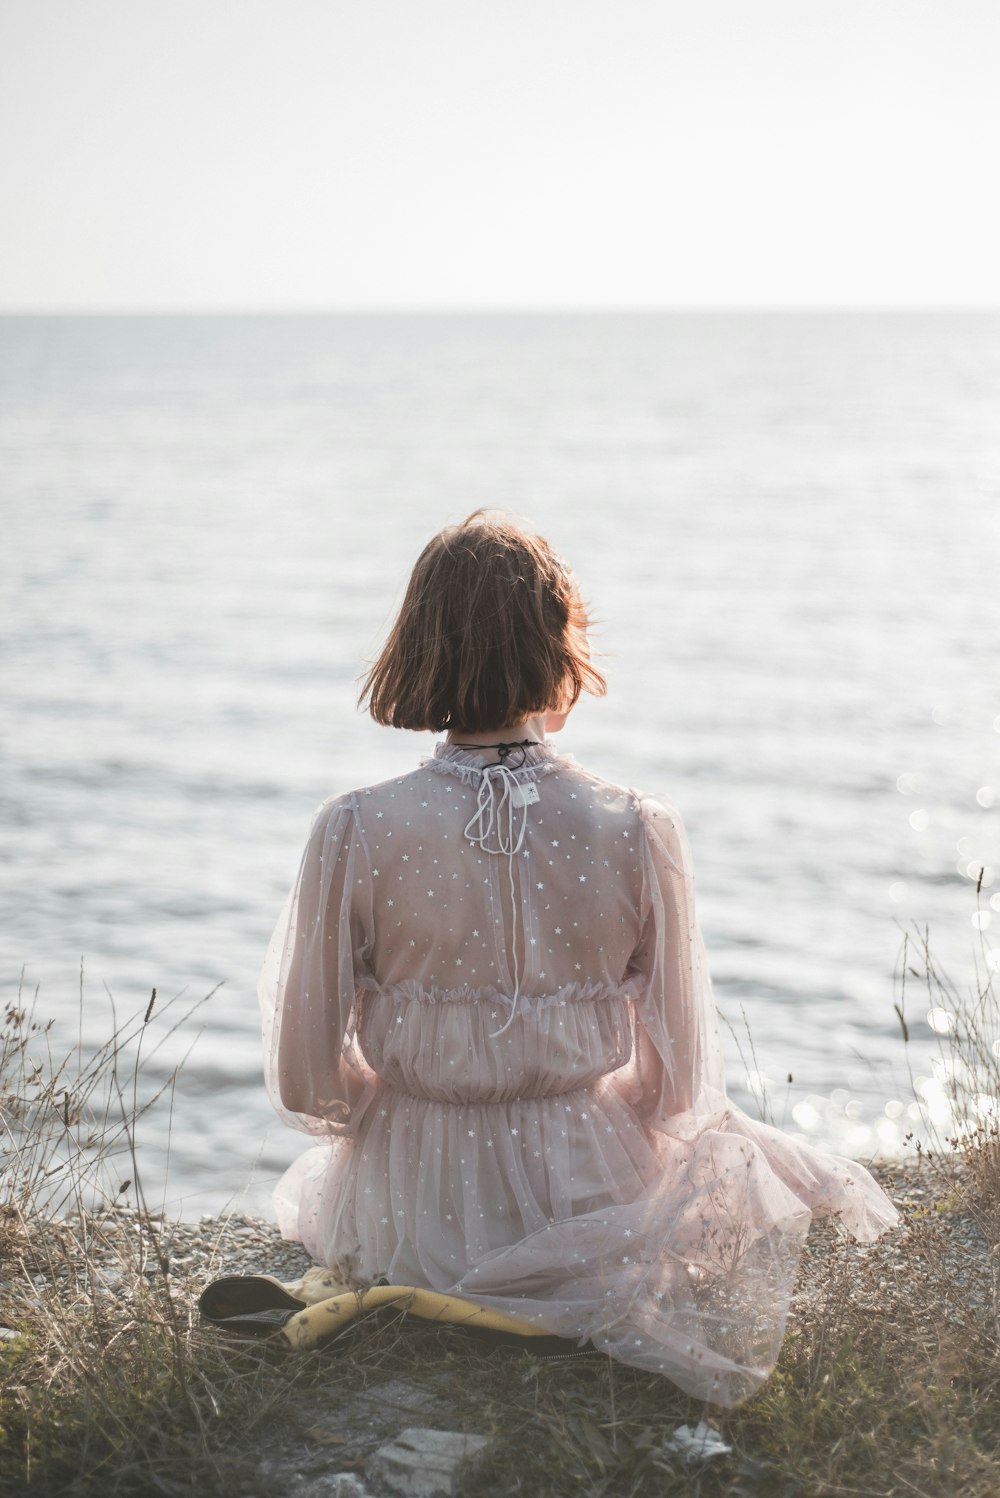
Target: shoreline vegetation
{"type": "Point", "coordinates": [888, 1382]}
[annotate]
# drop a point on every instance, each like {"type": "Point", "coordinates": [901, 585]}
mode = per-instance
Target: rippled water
{"type": "Point", "coordinates": [788, 528]}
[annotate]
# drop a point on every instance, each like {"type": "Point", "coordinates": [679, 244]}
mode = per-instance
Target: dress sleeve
{"type": "Point", "coordinates": [679, 1063]}
{"type": "Point", "coordinates": [308, 984]}
{"type": "Point", "coordinates": [678, 1088]}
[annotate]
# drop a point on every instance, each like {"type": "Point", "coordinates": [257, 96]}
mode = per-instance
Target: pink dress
{"type": "Point", "coordinates": [487, 996]}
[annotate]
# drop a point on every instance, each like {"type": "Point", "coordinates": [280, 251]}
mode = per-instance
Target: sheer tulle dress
{"type": "Point", "coordinates": [487, 996]}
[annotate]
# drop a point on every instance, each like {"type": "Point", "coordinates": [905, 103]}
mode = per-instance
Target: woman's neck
{"type": "Point", "coordinates": [531, 728]}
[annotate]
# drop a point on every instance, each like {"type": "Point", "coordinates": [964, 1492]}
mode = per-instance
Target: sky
{"type": "Point", "coordinates": [299, 155]}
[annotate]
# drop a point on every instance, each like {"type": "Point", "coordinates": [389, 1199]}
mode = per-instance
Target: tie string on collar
{"type": "Point", "coordinates": [494, 819]}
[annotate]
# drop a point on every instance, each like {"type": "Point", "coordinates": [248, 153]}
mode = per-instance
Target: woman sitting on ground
{"type": "Point", "coordinates": [488, 996]}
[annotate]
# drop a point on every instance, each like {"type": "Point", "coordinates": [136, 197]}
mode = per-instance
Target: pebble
{"type": "Point", "coordinates": [334, 1485]}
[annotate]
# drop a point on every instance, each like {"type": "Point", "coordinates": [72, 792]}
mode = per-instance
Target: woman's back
{"type": "Point", "coordinates": [444, 915]}
{"type": "Point", "coordinates": [480, 992]}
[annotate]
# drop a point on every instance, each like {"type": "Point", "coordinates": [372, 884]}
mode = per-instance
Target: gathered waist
{"type": "Point", "coordinates": [443, 1049]}
{"type": "Point", "coordinates": [486, 1102]}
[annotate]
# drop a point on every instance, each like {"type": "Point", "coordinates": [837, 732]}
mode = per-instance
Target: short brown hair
{"type": "Point", "coordinates": [492, 630]}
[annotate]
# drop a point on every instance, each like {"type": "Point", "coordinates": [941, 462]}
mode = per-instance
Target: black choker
{"type": "Point", "coordinates": [503, 751]}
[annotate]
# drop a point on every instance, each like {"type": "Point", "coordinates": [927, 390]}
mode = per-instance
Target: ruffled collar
{"type": "Point", "coordinates": [469, 764]}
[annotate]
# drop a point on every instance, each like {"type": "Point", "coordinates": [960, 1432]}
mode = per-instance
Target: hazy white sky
{"type": "Point", "coordinates": [287, 154]}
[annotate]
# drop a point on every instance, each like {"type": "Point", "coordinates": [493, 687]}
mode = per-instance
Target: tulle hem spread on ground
{"type": "Point", "coordinates": [553, 1142]}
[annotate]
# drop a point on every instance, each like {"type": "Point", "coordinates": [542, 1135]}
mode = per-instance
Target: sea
{"type": "Point", "coordinates": [788, 530]}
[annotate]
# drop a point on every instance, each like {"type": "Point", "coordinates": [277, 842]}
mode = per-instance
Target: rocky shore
{"type": "Point", "coordinates": [881, 1354]}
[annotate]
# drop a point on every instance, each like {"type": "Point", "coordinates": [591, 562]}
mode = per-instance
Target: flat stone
{"type": "Point", "coordinates": [421, 1463]}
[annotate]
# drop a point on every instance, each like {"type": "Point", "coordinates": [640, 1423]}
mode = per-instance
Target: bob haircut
{"type": "Point", "coordinates": [492, 630]}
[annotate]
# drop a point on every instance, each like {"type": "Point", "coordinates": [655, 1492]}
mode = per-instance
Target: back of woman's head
{"type": "Point", "coordinates": [492, 630]}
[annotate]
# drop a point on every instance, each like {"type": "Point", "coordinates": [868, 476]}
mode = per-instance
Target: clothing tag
{"type": "Point", "coordinates": [524, 795]}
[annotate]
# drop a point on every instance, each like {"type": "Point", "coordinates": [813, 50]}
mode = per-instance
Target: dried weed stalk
{"type": "Point", "coordinates": [101, 1385]}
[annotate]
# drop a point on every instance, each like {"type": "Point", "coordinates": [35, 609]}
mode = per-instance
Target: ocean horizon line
{"type": "Point", "coordinates": [540, 310]}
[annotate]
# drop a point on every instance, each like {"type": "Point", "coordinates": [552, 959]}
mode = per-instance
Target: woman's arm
{"type": "Point", "coordinates": [310, 976]}
{"type": "Point", "coordinates": [678, 1052]}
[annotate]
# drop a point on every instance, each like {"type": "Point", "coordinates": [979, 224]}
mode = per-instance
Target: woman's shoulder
{"type": "Point", "coordinates": [653, 819]}
{"type": "Point", "coordinates": [377, 797]}
{"type": "Point", "coordinates": [647, 805]}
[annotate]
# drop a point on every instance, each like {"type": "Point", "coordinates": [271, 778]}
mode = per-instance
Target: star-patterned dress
{"type": "Point", "coordinates": [488, 996]}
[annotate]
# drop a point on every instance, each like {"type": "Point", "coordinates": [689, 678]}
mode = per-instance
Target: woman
{"type": "Point", "coordinates": [487, 993]}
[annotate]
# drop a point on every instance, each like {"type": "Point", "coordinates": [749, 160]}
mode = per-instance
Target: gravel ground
{"type": "Point", "coordinates": [344, 1414]}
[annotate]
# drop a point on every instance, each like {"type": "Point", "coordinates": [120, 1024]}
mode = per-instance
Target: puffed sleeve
{"type": "Point", "coordinates": [679, 1063]}
{"type": "Point", "coordinates": [316, 956]}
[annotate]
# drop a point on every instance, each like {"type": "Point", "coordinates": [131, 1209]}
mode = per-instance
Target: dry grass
{"type": "Point", "coordinates": [889, 1381]}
